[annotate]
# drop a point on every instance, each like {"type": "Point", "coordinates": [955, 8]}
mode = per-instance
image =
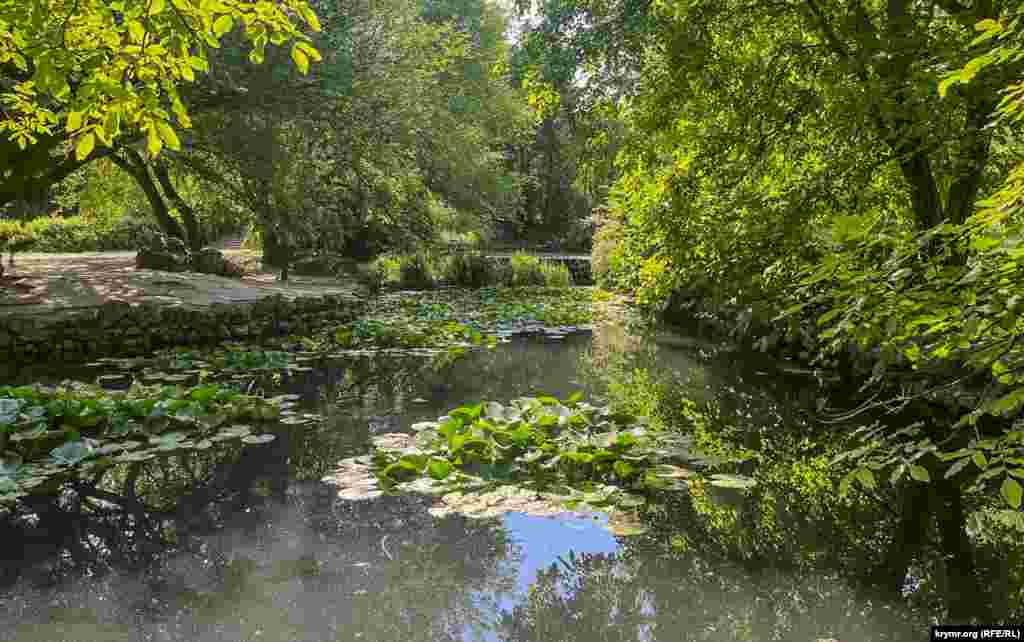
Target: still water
{"type": "Point", "coordinates": [249, 544]}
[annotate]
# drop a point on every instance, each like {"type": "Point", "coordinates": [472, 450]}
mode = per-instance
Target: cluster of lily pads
{"type": "Point", "coordinates": [454, 318]}
{"type": "Point", "coordinates": [51, 433]}
{"type": "Point", "coordinates": [228, 361]}
{"type": "Point", "coordinates": [536, 455]}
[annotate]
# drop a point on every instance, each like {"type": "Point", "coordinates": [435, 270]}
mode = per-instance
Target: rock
{"type": "Point", "coordinates": [209, 261]}
{"type": "Point", "coordinates": [148, 259]}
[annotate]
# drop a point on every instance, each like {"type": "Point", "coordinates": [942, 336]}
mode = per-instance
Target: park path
{"type": "Point", "coordinates": [39, 283]}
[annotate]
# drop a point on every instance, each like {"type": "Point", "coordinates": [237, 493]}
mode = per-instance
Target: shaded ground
{"type": "Point", "coordinates": [46, 282]}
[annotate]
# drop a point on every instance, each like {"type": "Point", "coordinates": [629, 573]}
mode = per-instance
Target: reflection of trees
{"type": "Point", "coordinates": [225, 544]}
{"type": "Point", "coordinates": [641, 596]}
{"type": "Point", "coordinates": [794, 516]}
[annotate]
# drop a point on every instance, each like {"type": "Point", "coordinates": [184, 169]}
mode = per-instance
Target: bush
{"type": "Point", "coordinates": [555, 275]}
{"type": "Point", "coordinates": [502, 272]}
{"type": "Point", "coordinates": [604, 255]}
{"type": "Point", "coordinates": [526, 270]}
{"type": "Point", "coordinates": [79, 234]}
{"type": "Point", "coordinates": [469, 270]}
{"type": "Point", "coordinates": [414, 272]}
{"type": "Point", "coordinates": [14, 236]}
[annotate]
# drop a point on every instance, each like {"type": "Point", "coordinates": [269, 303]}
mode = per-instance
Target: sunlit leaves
{"type": "Point", "coordinates": [1011, 492]}
{"type": "Point", "coordinates": [104, 47]}
{"type": "Point", "coordinates": [85, 145]}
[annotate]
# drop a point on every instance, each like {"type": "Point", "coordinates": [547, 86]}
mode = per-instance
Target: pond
{"type": "Point", "coordinates": [245, 542]}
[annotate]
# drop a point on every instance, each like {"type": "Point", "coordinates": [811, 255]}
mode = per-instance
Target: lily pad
{"type": "Point", "coordinates": [258, 439]}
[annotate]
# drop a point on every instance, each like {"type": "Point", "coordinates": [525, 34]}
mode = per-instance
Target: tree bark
{"type": "Point", "coordinates": [135, 165]}
{"type": "Point", "coordinates": [965, 599]}
{"type": "Point", "coordinates": [973, 157]}
{"type": "Point", "coordinates": [911, 534]}
{"type": "Point", "coordinates": [188, 215]}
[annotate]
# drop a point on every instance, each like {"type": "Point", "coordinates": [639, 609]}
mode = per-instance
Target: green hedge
{"type": "Point", "coordinates": [72, 234]}
{"type": "Point", "coordinates": [469, 270]}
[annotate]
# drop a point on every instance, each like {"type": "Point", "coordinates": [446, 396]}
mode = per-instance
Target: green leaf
{"type": "Point", "coordinates": [256, 55]}
{"type": "Point", "coordinates": [920, 473]}
{"type": "Point", "coordinates": [948, 82]}
{"type": "Point", "coordinates": [167, 135]}
{"type": "Point", "coordinates": [980, 460]}
{"type": "Point", "coordinates": [300, 59]}
{"type": "Point", "coordinates": [866, 477]}
{"type": "Point", "coordinates": [84, 146]}
{"type": "Point", "coordinates": [258, 439]}
{"type": "Point", "coordinates": [314, 55]}
{"type": "Point", "coordinates": [439, 468]}
{"type": "Point", "coordinates": [310, 17]}
{"type": "Point", "coordinates": [957, 467]}
{"type": "Point", "coordinates": [223, 25]}
{"type": "Point", "coordinates": [156, 6]}
{"type": "Point", "coordinates": [74, 120]}
{"type": "Point", "coordinates": [988, 24]}
{"type": "Point", "coordinates": [1011, 492]}
{"type": "Point", "coordinates": [153, 142]}
{"type": "Point", "coordinates": [136, 31]}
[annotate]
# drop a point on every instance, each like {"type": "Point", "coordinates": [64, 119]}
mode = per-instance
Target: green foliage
{"type": "Point", "coordinates": [232, 358]}
{"type": "Point", "coordinates": [526, 270]}
{"type": "Point", "coordinates": [62, 60]}
{"type": "Point", "coordinates": [470, 270]}
{"type": "Point", "coordinates": [407, 333]}
{"type": "Point", "coordinates": [80, 234]}
{"type": "Point", "coordinates": [590, 456]}
{"type": "Point", "coordinates": [554, 274]}
{"type": "Point", "coordinates": [15, 236]}
{"type": "Point", "coordinates": [415, 272]}
{"type": "Point", "coordinates": [51, 434]}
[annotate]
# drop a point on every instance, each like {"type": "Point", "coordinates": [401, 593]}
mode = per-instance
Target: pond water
{"type": "Point", "coordinates": [247, 543]}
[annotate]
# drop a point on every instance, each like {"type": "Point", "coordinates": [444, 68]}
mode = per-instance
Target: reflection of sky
{"type": "Point", "coordinates": [541, 541]}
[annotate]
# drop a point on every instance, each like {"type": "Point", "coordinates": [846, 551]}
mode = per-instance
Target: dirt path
{"type": "Point", "coordinates": [51, 282]}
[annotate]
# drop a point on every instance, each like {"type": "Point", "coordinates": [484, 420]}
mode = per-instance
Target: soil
{"type": "Point", "coordinates": [39, 283]}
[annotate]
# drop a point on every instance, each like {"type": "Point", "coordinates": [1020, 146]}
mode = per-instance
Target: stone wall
{"type": "Point", "coordinates": [122, 329]}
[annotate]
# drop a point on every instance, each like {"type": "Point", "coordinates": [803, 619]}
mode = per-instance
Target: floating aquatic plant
{"type": "Point", "coordinates": [49, 434]}
{"type": "Point", "coordinates": [536, 455]}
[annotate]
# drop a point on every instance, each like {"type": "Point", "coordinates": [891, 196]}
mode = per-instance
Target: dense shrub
{"type": "Point", "coordinates": [414, 272]}
{"type": "Point", "coordinates": [607, 262]}
{"type": "Point", "coordinates": [14, 236]}
{"type": "Point", "coordinates": [73, 234]}
{"type": "Point", "coordinates": [526, 270]}
{"type": "Point", "coordinates": [555, 275]}
{"type": "Point", "coordinates": [470, 270]}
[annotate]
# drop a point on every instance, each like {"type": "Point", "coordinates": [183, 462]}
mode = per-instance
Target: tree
{"type": "Point", "coordinates": [801, 155]}
{"type": "Point", "coordinates": [76, 73]}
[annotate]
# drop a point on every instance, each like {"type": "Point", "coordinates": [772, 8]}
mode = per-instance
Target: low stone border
{"type": "Point", "coordinates": [123, 329]}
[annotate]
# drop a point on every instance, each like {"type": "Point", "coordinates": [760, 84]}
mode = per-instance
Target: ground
{"type": "Point", "coordinates": [40, 283]}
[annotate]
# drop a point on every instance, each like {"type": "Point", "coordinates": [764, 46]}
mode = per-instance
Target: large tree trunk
{"type": "Point", "coordinates": [965, 599]}
{"type": "Point", "coordinates": [915, 512]}
{"type": "Point", "coordinates": [188, 215]}
{"type": "Point", "coordinates": [133, 163]}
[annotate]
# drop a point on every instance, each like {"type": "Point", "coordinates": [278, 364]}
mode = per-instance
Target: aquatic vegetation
{"type": "Point", "coordinates": [227, 358]}
{"type": "Point", "coordinates": [407, 333]}
{"type": "Point", "coordinates": [570, 455]}
{"type": "Point", "coordinates": [49, 434]}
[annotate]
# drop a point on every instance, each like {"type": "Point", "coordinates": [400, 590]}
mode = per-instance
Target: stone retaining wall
{"type": "Point", "coordinates": [124, 329]}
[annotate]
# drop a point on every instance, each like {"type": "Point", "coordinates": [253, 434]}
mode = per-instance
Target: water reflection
{"type": "Point", "coordinates": [245, 543]}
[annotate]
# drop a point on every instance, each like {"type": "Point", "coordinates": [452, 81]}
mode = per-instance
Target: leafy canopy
{"type": "Point", "coordinates": [92, 70]}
